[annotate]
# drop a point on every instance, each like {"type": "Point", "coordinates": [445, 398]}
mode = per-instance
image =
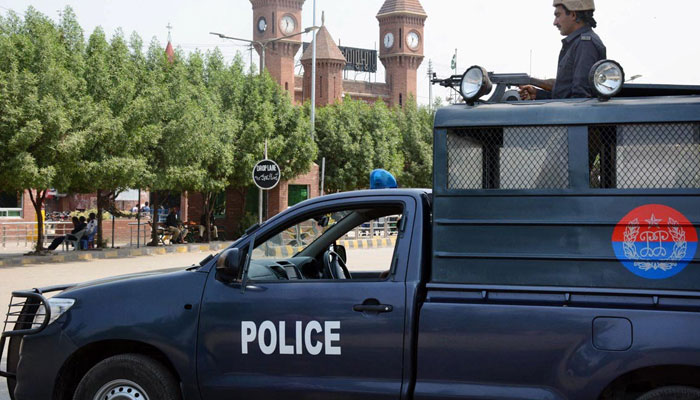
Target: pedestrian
{"type": "Point", "coordinates": [203, 227]}
{"type": "Point", "coordinates": [75, 234]}
{"type": "Point", "coordinates": [581, 48]}
{"type": "Point", "coordinates": [173, 225]}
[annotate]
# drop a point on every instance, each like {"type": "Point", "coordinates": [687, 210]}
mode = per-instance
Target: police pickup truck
{"type": "Point", "coordinates": [554, 258]}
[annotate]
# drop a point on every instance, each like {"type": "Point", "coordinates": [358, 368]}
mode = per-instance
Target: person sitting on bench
{"type": "Point", "coordinates": [75, 234]}
{"type": "Point", "coordinates": [173, 226]}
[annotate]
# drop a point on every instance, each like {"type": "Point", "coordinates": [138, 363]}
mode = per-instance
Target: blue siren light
{"type": "Point", "coordinates": [382, 179]}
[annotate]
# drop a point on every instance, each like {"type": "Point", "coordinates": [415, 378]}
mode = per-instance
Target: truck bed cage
{"type": "Point", "coordinates": [504, 81]}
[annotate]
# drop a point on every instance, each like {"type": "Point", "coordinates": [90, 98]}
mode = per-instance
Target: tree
{"type": "Point", "coordinates": [218, 159]}
{"type": "Point", "coordinates": [205, 134]}
{"type": "Point", "coordinates": [42, 99]}
{"type": "Point", "coordinates": [416, 127]}
{"type": "Point", "coordinates": [267, 112]}
{"type": "Point", "coordinates": [380, 124]}
{"type": "Point", "coordinates": [113, 159]}
{"type": "Point", "coordinates": [356, 138]}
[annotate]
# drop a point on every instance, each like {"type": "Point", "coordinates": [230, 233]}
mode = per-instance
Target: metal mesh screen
{"type": "Point", "coordinates": [508, 158]}
{"type": "Point", "coordinates": [648, 156]}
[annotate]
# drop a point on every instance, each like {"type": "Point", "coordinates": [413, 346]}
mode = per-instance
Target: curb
{"type": "Point", "coordinates": [287, 251]}
{"type": "Point", "coordinates": [71, 256]}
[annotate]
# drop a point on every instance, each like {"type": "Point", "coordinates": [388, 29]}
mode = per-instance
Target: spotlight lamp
{"type": "Point", "coordinates": [606, 78]}
{"type": "Point", "coordinates": [475, 84]}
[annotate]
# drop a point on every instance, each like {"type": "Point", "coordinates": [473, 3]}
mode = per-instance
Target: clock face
{"type": "Point", "coordinates": [287, 24]}
{"type": "Point", "coordinates": [262, 24]}
{"type": "Point", "coordinates": [388, 40]}
{"type": "Point", "coordinates": [412, 40]}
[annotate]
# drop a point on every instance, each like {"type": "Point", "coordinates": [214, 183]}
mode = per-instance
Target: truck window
{"type": "Point", "coordinates": [364, 238]}
{"type": "Point", "coordinates": [508, 158]}
{"type": "Point", "coordinates": [645, 156]}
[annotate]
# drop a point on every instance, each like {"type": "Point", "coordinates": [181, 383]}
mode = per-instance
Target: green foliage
{"type": "Point", "coordinates": [416, 127]}
{"type": "Point", "coordinates": [102, 116]}
{"type": "Point", "coordinates": [42, 102]}
{"type": "Point", "coordinates": [356, 138]}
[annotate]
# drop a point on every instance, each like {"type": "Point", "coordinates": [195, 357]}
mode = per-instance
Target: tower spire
{"type": "Point", "coordinates": [170, 35]}
{"type": "Point", "coordinates": [169, 48]}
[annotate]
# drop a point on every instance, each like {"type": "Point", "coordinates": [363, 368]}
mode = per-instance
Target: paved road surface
{"type": "Point", "coordinates": [38, 275]}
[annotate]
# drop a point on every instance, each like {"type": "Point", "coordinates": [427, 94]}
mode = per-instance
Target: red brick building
{"type": "Point", "coordinates": [401, 26]}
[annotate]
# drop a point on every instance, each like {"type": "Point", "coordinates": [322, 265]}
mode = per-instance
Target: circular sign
{"type": "Point", "coordinates": [655, 241]}
{"type": "Point", "coordinates": [266, 174]}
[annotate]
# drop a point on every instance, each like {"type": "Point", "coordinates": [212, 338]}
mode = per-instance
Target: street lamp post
{"type": "Point", "coordinates": [263, 43]}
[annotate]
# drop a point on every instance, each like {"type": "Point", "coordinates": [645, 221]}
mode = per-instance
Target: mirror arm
{"type": "Point", "coordinates": [244, 278]}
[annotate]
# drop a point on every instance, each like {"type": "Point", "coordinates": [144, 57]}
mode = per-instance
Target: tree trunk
{"type": "Point", "coordinates": [38, 202]}
{"type": "Point", "coordinates": [100, 207]}
{"type": "Point", "coordinates": [207, 200]}
{"type": "Point", "coordinates": [156, 201]}
{"type": "Point", "coordinates": [243, 192]}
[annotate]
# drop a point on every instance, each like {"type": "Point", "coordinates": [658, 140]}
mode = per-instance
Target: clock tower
{"type": "Point", "coordinates": [273, 19]}
{"type": "Point", "coordinates": [401, 24]}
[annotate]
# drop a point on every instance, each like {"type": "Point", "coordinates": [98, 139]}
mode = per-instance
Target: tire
{"type": "Point", "coordinates": [128, 377]}
{"type": "Point", "coordinates": [672, 393]}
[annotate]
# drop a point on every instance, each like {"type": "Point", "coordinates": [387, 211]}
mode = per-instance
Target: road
{"type": "Point", "coordinates": [38, 275]}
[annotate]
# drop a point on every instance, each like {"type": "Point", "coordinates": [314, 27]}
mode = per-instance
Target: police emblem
{"type": "Point", "coordinates": [655, 241]}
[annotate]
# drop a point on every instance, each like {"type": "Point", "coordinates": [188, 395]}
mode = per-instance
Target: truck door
{"type": "Point", "coordinates": [306, 325]}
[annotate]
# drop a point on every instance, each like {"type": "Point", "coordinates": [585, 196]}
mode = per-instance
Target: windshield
{"type": "Point", "coordinates": [298, 237]}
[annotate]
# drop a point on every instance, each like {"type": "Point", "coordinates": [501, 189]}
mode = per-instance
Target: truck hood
{"type": "Point", "coordinates": [121, 278]}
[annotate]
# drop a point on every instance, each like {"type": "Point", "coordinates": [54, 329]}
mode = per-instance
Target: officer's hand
{"type": "Point", "coordinates": [527, 92]}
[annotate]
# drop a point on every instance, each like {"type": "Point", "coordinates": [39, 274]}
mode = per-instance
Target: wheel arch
{"type": "Point", "coordinates": [82, 360]}
{"type": "Point", "coordinates": [642, 380]}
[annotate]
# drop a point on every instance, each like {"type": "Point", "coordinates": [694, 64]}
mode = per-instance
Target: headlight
{"type": "Point", "coordinates": [475, 83]}
{"type": "Point", "coordinates": [606, 78]}
{"type": "Point", "coordinates": [58, 307]}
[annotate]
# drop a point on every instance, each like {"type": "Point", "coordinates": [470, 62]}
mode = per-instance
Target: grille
{"type": "Point", "coordinates": [508, 158]}
{"type": "Point", "coordinates": [24, 313]}
{"type": "Point", "coordinates": [645, 156]}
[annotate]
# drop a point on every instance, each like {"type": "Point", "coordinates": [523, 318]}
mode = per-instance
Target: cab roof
{"type": "Point", "coordinates": [571, 112]}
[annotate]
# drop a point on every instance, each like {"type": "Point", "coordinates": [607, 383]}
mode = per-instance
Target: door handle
{"type": "Point", "coordinates": [377, 308]}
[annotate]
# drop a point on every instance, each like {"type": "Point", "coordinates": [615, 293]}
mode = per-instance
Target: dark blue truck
{"type": "Point", "coordinates": [555, 258]}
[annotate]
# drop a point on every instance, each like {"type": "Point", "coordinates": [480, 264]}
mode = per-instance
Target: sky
{"type": "Point", "coordinates": [657, 40]}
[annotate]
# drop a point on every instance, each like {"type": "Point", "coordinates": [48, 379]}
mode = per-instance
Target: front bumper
{"type": "Point", "coordinates": [40, 363]}
{"type": "Point", "coordinates": [21, 319]}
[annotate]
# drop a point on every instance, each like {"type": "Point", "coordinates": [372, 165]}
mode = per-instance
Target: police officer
{"type": "Point", "coordinates": [581, 48]}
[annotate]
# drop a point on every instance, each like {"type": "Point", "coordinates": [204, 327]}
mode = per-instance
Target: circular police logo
{"type": "Point", "coordinates": [655, 241]}
{"type": "Point", "coordinates": [266, 174]}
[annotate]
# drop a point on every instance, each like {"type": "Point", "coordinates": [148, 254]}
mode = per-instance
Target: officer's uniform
{"type": "Point", "coordinates": [579, 52]}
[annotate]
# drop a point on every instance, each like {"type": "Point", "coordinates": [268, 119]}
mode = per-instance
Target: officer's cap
{"type": "Point", "coordinates": [576, 5]}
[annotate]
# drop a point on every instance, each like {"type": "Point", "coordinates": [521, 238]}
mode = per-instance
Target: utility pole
{"type": "Point", "coordinates": [430, 84]}
{"type": "Point", "coordinates": [263, 44]}
{"type": "Point", "coordinates": [313, 78]}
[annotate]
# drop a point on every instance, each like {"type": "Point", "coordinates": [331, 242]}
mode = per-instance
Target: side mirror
{"type": "Point", "coordinates": [228, 266]}
{"type": "Point", "coordinates": [323, 221]}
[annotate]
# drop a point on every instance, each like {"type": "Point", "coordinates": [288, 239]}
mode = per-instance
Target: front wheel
{"type": "Point", "coordinates": [128, 377]}
{"type": "Point", "coordinates": [672, 393]}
